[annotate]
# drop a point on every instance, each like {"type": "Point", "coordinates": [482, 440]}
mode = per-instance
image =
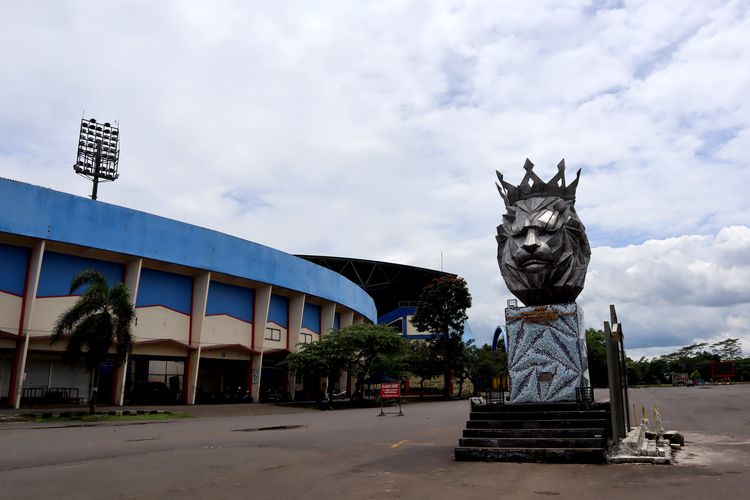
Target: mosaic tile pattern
{"type": "Point", "coordinates": [546, 352]}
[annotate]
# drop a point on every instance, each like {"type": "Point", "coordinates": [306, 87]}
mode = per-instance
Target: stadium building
{"type": "Point", "coordinates": [215, 313]}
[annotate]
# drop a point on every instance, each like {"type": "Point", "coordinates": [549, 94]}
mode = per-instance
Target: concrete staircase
{"type": "Point", "coordinates": [536, 432]}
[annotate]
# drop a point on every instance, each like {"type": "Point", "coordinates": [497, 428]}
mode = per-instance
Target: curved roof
{"type": "Point", "coordinates": [51, 215]}
{"type": "Point", "coordinates": [389, 284]}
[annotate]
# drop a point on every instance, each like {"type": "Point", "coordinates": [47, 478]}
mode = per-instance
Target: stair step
{"type": "Point", "coordinates": [525, 407]}
{"type": "Point", "coordinates": [536, 424]}
{"type": "Point", "coordinates": [547, 455]}
{"type": "Point", "coordinates": [534, 433]}
{"type": "Point", "coordinates": [535, 442]}
{"type": "Point", "coordinates": [542, 415]}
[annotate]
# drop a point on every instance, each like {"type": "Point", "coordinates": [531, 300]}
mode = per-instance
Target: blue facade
{"type": "Point", "coordinates": [58, 270]}
{"type": "Point", "coordinates": [158, 288]}
{"type": "Point", "coordinates": [231, 300]}
{"type": "Point", "coordinates": [403, 313]}
{"type": "Point", "coordinates": [311, 317]}
{"type": "Point", "coordinates": [51, 215]}
{"type": "Point", "coordinates": [278, 310]}
{"type": "Point", "coordinates": [13, 269]}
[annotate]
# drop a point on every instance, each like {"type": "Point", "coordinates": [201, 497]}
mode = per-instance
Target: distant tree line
{"type": "Point", "coordinates": [693, 360]}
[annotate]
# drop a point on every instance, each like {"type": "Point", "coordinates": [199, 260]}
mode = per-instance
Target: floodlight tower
{"type": "Point", "coordinates": [98, 152]}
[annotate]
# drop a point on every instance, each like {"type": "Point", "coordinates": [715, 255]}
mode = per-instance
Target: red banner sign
{"type": "Point", "coordinates": [390, 390]}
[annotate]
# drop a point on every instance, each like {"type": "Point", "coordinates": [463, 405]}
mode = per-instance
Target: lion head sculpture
{"type": "Point", "coordinates": [542, 247]}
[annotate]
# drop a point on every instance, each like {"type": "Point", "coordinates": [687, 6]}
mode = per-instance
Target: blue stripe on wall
{"type": "Point", "coordinates": [311, 317]}
{"type": "Point", "coordinates": [13, 262]}
{"type": "Point", "coordinates": [232, 300]}
{"type": "Point", "coordinates": [58, 270]}
{"type": "Point", "coordinates": [159, 288]}
{"type": "Point", "coordinates": [337, 321]}
{"type": "Point", "coordinates": [278, 310]}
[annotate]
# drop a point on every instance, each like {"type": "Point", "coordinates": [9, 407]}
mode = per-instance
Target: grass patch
{"type": "Point", "coordinates": [112, 418]}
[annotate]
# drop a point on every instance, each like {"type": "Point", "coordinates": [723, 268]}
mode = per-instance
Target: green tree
{"type": "Point", "coordinates": [597, 357]}
{"type": "Point", "coordinates": [358, 349]}
{"type": "Point", "coordinates": [422, 363]}
{"type": "Point", "coordinates": [482, 365]}
{"type": "Point", "coordinates": [442, 312]}
{"type": "Point", "coordinates": [728, 350]}
{"type": "Point", "coordinates": [102, 316]}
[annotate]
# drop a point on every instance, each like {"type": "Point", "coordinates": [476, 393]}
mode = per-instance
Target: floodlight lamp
{"type": "Point", "coordinates": [98, 152]}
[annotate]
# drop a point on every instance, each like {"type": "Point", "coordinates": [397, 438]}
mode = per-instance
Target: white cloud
{"type": "Point", "coordinates": [373, 130]}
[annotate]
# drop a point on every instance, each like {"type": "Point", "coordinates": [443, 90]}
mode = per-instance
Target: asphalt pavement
{"type": "Point", "coordinates": [264, 451]}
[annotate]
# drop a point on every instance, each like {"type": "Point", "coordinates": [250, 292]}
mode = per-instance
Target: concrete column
{"type": "Point", "coordinates": [197, 317]}
{"type": "Point", "coordinates": [296, 309]}
{"type": "Point", "coordinates": [347, 319]}
{"type": "Point", "coordinates": [327, 315]}
{"type": "Point", "coordinates": [18, 373]}
{"type": "Point", "coordinates": [132, 281]}
{"type": "Point", "coordinates": [260, 319]}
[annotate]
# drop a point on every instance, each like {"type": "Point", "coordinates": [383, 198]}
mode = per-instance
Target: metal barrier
{"type": "Point", "coordinates": [50, 395]}
{"type": "Point", "coordinates": [33, 393]}
{"type": "Point", "coordinates": [494, 397]}
{"type": "Point", "coordinates": [585, 395]}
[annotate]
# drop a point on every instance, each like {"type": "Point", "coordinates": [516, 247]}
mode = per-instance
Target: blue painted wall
{"type": "Point", "coordinates": [231, 300]}
{"type": "Point", "coordinates": [58, 270]}
{"type": "Point", "coordinates": [403, 313]}
{"type": "Point", "coordinates": [337, 321]}
{"type": "Point", "coordinates": [43, 213]}
{"type": "Point", "coordinates": [311, 317]}
{"type": "Point", "coordinates": [158, 288]}
{"type": "Point", "coordinates": [278, 310]}
{"type": "Point", "coordinates": [13, 262]}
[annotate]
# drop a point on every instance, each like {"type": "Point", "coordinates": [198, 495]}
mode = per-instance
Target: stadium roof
{"type": "Point", "coordinates": [390, 285]}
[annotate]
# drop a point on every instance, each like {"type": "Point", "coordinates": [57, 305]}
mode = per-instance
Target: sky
{"type": "Point", "coordinates": [373, 130]}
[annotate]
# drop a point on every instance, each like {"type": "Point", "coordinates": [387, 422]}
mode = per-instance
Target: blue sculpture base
{"type": "Point", "coordinates": [546, 353]}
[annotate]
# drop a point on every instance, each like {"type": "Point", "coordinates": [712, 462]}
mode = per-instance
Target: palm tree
{"type": "Point", "coordinates": [100, 317]}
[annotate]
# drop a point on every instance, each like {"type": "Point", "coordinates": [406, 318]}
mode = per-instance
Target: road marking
{"type": "Point", "coordinates": [406, 441]}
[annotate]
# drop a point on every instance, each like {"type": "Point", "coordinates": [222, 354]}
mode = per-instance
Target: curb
{"type": "Point", "coordinates": [117, 413]}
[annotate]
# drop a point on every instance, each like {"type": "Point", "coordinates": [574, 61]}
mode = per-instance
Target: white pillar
{"type": "Point", "coordinates": [132, 280]}
{"type": "Point", "coordinates": [197, 317]}
{"type": "Point", "coordinates": [347, 319]}
{"type": "Point", "coordinates": [327, 316]}
{"type": "Point", "coordinates": [260, 319]}
{"type": "Point", "coordinates": [296, 310]}
{"type": "Point", "coordinates": [22, 346]}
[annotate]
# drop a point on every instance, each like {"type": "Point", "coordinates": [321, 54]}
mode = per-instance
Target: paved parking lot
{"type": "Point", "coordinates": [225, 453]}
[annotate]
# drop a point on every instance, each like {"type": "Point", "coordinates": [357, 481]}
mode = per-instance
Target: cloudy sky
{"type": "Point", "coordinates": [374, 129]}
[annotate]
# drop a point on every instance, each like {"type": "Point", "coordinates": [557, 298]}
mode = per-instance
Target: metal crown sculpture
{"type": "Point", "coordinates": [542, 247]}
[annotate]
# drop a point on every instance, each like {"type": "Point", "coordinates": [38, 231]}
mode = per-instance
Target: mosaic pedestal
{"type": "Point", "coordinates": [546, 353]}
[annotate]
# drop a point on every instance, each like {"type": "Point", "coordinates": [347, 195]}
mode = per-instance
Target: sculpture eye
{"type": "Point", "coordinates": [545, 216]}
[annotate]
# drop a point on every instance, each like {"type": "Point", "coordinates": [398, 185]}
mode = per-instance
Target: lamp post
{"type": "Point", "coordinates": [98, 153]}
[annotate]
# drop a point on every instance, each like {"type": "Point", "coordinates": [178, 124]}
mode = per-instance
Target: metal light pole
{"type": "Point", "coordinates": [98, 153]}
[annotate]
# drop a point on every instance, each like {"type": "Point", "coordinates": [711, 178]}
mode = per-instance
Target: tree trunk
{"type": "Point", "coordinates": [94, 391]}
{"type": "Point", "coordinates": [447, 383]}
